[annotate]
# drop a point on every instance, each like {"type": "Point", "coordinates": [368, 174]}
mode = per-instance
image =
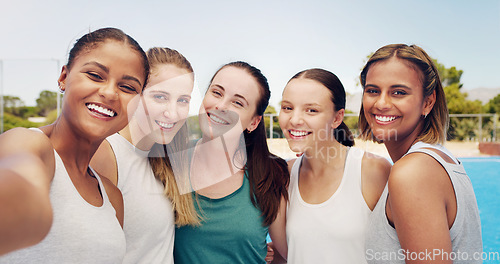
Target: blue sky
{"type": "Point", "coordinates": [279, 37]}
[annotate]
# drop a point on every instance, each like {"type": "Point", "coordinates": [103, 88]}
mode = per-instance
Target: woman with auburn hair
{"type": "Point", "coordinates": [428, 212]}
{"type": "Point", "coordinates": [240, 187]}
{"type": "Point", "coordinates": [136, 160]}
{"type": "Point", "coordinates": [106, 69]}
{"type": "Point", "coordinates": [334, 186]}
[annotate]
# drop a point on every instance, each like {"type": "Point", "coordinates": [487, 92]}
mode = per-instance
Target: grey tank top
{"type": "Point", "coordinates": [382, 243]}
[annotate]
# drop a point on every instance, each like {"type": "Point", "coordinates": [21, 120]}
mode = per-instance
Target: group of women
{"type": "Point", "coordinates": [117, 179]}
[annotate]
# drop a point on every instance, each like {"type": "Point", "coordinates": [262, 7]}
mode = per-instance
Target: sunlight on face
{"type": "Point", "coordinates": [164, 104]}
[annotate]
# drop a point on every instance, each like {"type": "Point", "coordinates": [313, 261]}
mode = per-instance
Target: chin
{"type": "Point", "coordinates": [299, 148]}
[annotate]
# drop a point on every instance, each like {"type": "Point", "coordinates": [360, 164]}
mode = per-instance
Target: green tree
{"type": "Point", "coordinates": [12, 105]}
{"type": "Point", "coordinates": [46, 102]}
{"type": "Point", "coordinates": [493, 106]}
{"type": "Point", "coordinates": [351, 121]}
{"type": "Point", "coordinates": [277, 133]}
{"type": "Point", "coordinates": [11, 121]}
{"type": "Point", "coordinates": [457, 102]}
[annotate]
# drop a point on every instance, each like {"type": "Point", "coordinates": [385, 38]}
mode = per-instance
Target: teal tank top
{"type": "Point", "coordinates": [232, 231]}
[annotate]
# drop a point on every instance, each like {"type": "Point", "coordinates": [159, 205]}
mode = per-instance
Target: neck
{"type": "Point", "coordinates": [133, 133]}
{"type": "Point", "coordinates": [399, 146]}
{"type": "Point", "coordinates": [74, 149]}
{"type": "Point", "coordinates": [326, 155]}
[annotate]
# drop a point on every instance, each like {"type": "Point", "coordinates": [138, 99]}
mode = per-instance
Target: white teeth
{"type": "Point", "coordinates": [101, 110]}
{"type": "Point", "coordinates": [385, 118]}
{"type": "Point", "coordinates": [165, 125]}
{"type": "Point", "coordinates": [217, 119]}
{"type": "Point", "coordinates": [298, 133]}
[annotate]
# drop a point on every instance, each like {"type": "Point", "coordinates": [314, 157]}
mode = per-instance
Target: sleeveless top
{"type": "Point", "coordinates": [231, 231]}
{"type": "Point", "coordinates": [332, 231]}
{"type": "Point", "coordinates": [80, 232]}
{"type": "Point", "coordinates": [382, 243]}
{"type": "Point", "coordinates": [149, 217]}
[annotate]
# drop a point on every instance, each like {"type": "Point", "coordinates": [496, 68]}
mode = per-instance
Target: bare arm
{"type": "Point", "coordinates": [374, 175]}
{"type": "Point", "coordinates": [26, 171]}
{"type": "Point", "coordinates": [419, 190]}
{"type": "Point", "coordinates": [277, 231]}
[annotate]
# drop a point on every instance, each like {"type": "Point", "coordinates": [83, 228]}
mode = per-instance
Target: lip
{"type": "Point", "coordinates": [101, 111]}
{"type": "Point", "coordinates": [298, 134]}
{"type": "Point", "coordinates": [165, 126]}
{"type": "Point", "coordinates": [385, 119]}
{"type": "Point", "coordinates": [215, 119]}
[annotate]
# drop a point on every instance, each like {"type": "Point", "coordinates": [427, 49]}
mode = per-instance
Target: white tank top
{"type": "Point", "coordinates": [80, 232]}
{"type": "Point", "coordinates": [333, 231]}
{"type": "Point", "coordinates": [149, 221]}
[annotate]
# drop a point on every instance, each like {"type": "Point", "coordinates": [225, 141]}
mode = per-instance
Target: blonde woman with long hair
{"type": "Point", "coordinates": [136, 160]}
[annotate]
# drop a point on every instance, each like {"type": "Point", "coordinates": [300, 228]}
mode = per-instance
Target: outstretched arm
{"type": "Point", "coordinates": [25, 210]}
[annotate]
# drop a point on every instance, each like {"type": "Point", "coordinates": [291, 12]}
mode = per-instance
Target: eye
{"type": "Point", "coordinates": [286, 108]}
{"type": "Point", "coordinates": [312, 110]}
{"type": "Point", "coordinates": [400, 92]}
{"type": "Point", "coordinates": [238, 103]}
{"type": "Point", "coordinates": [94, 76]}
{"type": "Point", "coordinates": [128, 89]}
{"type": "Point", "coordinates": [159, 97]}
{"type": "Point", "coordinates": [371, 91]}
{"type": "Point", "coordinates": [216, 93]}
{"type": "Point", "coordinates": [183, 100]}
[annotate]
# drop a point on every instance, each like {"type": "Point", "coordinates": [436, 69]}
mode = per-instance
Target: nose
{"type": "Point", "coordinates": [171, 111]}
{"type": "Point", "coordinates": [109, 90]}
{"type": "Point", "coordinates": [296, 118]}
{"type": "Point", "coordinates": [222, 105]}
{"type": "Point", "coordinates": [383, 102]}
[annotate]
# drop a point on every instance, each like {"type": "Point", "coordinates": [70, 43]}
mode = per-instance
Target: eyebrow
{"type": "Point", "coordinates": [392, 86]}
{"type": "Point", "coordinates": [236, 95]}
{"type": "Point", "coordinates": [95, 63]}
{"type": "Point", "coordinates": [106, 70]}
{"type": "Point", "coordinates": [128, 77]}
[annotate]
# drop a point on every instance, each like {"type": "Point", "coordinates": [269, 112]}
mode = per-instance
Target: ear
{"type": "Point", "coordinates": [62, 78]}
{"type": "Point", "coordinates": [429, 102]}
{"type": "Point", "coordinates": [338, 118]}
{"type": "Point", "coordinates": [255, 122]}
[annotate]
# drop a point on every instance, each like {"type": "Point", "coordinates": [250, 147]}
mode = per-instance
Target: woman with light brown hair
{"type": "Point", "coordinates": [428, 212]}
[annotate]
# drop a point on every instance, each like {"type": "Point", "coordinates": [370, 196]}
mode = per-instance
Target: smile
{"type": "Point", "coordinates": [165, 125]}
{"type": "Point", "coordinates": [100, 110]}
{"type": "Point", "coordinates": [298, 133]}
{"type": "Point", "coordinates": [217, 119]}
{"type": "Point", "coordinates": [382, 118]}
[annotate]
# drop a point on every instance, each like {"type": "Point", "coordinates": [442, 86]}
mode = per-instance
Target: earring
{"type": "Point", "coordinates": [61, 88]}
{"type": "Point", "coordinates": [425, 116]}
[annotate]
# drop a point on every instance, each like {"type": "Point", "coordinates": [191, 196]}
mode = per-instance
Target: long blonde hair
{"type": "Point", "coordinates": [162, 165]}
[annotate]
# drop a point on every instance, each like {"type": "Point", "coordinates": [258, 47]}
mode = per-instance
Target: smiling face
{"type": "Point", "coordinates": [164, 105]}
{"type": "Point", "coordinates": [307, 114]}
{"type": "Point", "coordinates": [231, 100]}
{"type": "Point", "coordinates": [99, 86]}
{"type": "Point", "coordinates": [393, 101]}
